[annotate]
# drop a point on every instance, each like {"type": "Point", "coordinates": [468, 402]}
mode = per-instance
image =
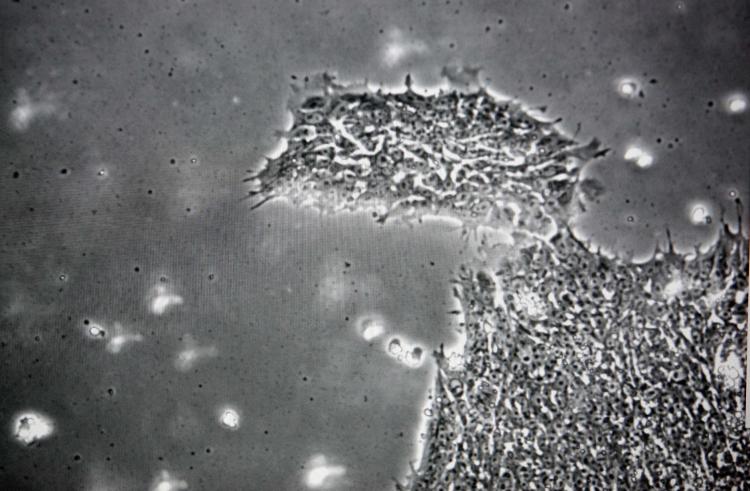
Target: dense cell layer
{"type": "Point", "coordinates": [583, 373]}
{"type": "Point", "coordinates": [466, 155]}
{"type": "Point", "coordinates": [579, 371]}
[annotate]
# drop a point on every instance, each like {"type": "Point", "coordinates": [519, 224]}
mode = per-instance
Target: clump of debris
{"type": "Point", "coordinates": [579, 371]}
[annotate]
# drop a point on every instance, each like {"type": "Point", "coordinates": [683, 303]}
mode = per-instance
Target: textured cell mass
{"type": "Point", "coordinates": [579, 371]}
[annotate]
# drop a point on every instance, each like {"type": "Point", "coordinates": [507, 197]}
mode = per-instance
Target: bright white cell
{"type": "Point", "coordinates": [632, 153]}
{"type": "Point", "coordinates": [628, 87]}
{"type": "Point", "coordinates": [162, 300]}
{"type": "Point", "coordinates": [370, 328]}
{"type": "Point", "coordinates": [638, 155]}
{"type": "Point", "coordinates": [30, 427]}
{"type": "Point", "coordinates": [320, 474]}
{"type": "Point", "coordinates": [166, 482]}
{"type": "Point", "coordinates": [96, 331]}
{"type": "Point", "coordinates": [645, 160]}
{"type": "Point", "coordinates": [700, 214]}
{"type": "Point", "coordinates": [229, 418]}
{"type": "Point", "coordinates": [735, 103]}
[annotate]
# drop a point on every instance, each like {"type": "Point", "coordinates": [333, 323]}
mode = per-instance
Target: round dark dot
{"type": "Point", "coordinates": [63, 171]}
{"type": "Point", "coordinates": [16, 175]}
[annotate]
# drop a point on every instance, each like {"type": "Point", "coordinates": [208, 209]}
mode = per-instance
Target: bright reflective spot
{"type": "Point", "coordinates": [162, 300]}
{"type": "Point", "coordinates": [628, 88]}
{"type": "Point", "coordinates": [229, 418]}
{"type": "Point", "coordinates": [26, 110]}
{"type": "Point", "coordinates": [370, 328]}
{"type": "Point", "coordinates": [321, 474]}
{"type": "Point", "coordinates": [736, 103]}
{"type": "Point", "coordinates": [638, 155]}
{"type": "Point", "coordinates": [166, 482]}
{"type": "Point", "coordinates": [96, 331]}
{"type": "Point", "coordinates": [700, 214]}
{"type": "Point", "coordinates": [31, 426]}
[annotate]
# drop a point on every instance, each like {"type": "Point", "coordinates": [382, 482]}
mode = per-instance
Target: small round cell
{"type": "Point", "coordinates": [230, 419]}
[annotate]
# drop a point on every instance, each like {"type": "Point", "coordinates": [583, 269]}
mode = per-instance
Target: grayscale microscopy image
{"type": "Point", "coordinates": [374, 245]}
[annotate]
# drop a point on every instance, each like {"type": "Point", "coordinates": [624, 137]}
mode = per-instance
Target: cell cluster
{"type": "Point", "coordinates": [405, 155]}
{"type": "Point", "coordinates": [579, 371]}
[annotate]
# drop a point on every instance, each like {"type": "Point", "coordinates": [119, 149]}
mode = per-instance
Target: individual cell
{"type": "Point", "coordinates": [628, 87]}
{"type": "Point", "coordinates": [161, 300]}
{"type": "Point", "coordinates": [165, 481]}
{"type": "Point", "coordinates": [639, 156]}
{"type": "Point", "coordinates": [321, 474]}
{"type": "Point", "coordinates": [735, 103]}
{"type": "Point", "coordinates": [229, 418]}
{"type": "Point", "coordinates": [30, 427]}
{"type": "Point", "coordinates": [370, 328]}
